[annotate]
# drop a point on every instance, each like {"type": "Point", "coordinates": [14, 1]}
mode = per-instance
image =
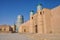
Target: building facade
{"type": "Point", "coordinates": [6, 29]}
{"type": "Point", "coordinates": [44, 21]}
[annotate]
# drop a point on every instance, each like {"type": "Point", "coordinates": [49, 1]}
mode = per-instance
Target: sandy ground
{"type": "Point", "coordinates": [44, 36]}
{"type": "Point", "coordinates": [19, 36]}
{"type": "Point", "coordinates": [13, 36]}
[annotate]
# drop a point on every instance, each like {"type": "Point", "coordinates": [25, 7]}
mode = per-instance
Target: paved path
{"type": "Point", "coordinates": [14, 36]}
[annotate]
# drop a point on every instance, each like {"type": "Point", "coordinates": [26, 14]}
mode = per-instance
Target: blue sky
{"type": "Point", "coordinates": [10, 9]}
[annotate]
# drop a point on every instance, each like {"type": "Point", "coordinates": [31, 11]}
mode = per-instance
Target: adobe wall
{"type": "Point", "coordinates": [5, 29]}
{"type": "Point", "coordinates": [55, 21]}
{"type": "Point", "coordinates": [45, 21]}
{"type": "Point", "coordinates": [24, 28]}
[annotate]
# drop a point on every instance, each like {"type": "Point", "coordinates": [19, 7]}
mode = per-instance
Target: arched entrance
{"type": "Point", "coordinates": [24, 30]}
{"type": "Point", "coordinates": [36, 29]}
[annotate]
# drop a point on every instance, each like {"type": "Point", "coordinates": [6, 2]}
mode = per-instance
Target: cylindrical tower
{"type": "Point", "coordinates": [31, 21]}
{"type": "Point", "coordinates": [40, 19]}
{"type": "Point", "coordinates": [20, 20]}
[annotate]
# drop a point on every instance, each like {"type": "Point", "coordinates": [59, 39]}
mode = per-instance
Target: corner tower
{"type": "Point", "coordinates": [40, 19]}
{"type": "Point", "coordinates": [31, 22]}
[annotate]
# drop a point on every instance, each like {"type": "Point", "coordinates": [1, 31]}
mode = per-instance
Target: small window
{"type": "Point", "coordinates": [0, 29]}
{"type": "Point", "coordinates": [4, 29]}
{"type": "Point", "coordinates": [50, 31]}
{"type": "Point", "coordinates": [32, 17]}
{"type": "Point", "coordinates": [40, 13]}
{"type": "Point", "coordinates": [43, 12]}
{"type": "Point", "coordinates": [24, 30]}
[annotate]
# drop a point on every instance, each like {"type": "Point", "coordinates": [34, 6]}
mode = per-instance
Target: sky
{"type": "Point", "coordinates": [10, 9]}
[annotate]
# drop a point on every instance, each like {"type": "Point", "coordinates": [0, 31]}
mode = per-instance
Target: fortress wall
{"type": "Point", "coordinates": [55, 21]}
{"type": "Point", "coordinates": [24, 28]}
{"type": "Point", "coordinates": [35, 22]}
{"type": "Point", "coordinates": [39, 22]}
{"type": "Point", "coordinates": [47, 21]}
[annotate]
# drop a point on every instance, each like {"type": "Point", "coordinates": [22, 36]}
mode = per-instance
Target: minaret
{"type": "Point", "coordinates": [40, 19]}
{"type": "Point", "coordinates": [20, 20]}
{"type": "Point", "coordinates": [31, 21]}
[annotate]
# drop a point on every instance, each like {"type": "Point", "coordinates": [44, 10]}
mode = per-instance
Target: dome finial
{"type": "Point", "coordinates": [39, 7]}
{"type": "Point", "coordinates": [19, 16]}
{"type": "Point", "coordinates": [31, 12]}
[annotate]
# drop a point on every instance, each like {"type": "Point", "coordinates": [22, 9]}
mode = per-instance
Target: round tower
{"type": "Point", "coordinates": [20, 20]}
{"type": "Point", "coordinates": [40, 18]}
{"type": "Point", "coordinates": [31, 21]}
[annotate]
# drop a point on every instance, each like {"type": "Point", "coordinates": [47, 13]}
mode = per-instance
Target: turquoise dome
{"type": "Point", "coordinates": [39, 7]}
{"type": "Point", "coordinates": [31, 12]}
